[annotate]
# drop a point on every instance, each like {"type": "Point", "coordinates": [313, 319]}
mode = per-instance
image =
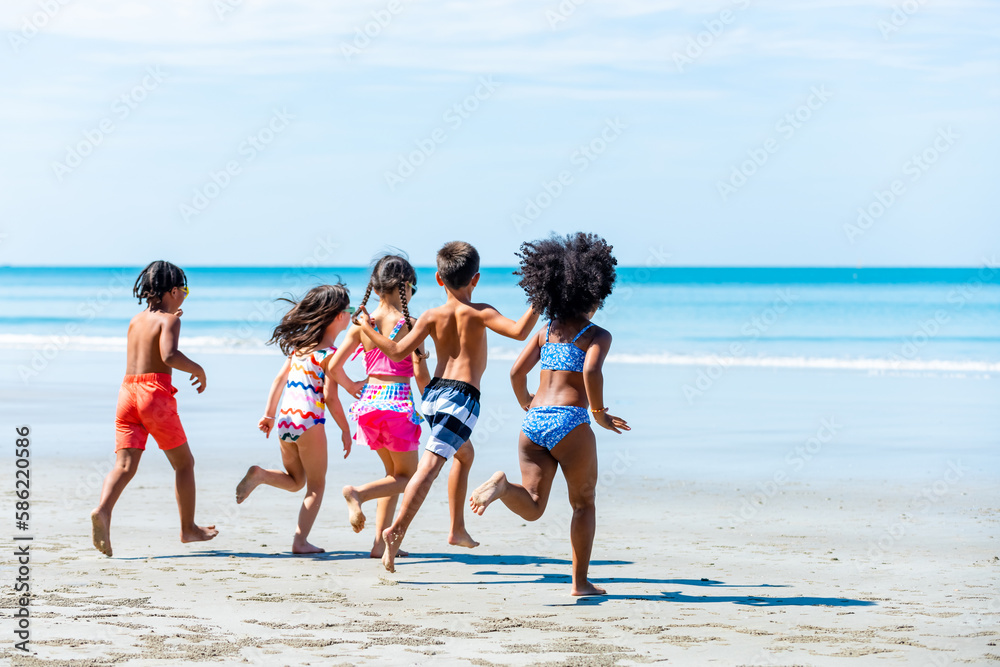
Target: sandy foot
{"type": "Point", "coordinates": [377, 553]}
{"type": "Point", "coordinates": [392, 541]}
{"type": "Point", "coordinates": [101, 532]}
{"type": "Point", "coordinates": [487, 492]}
{"type": "Point", "coordinates": [588, 589]}
{"type": "Point", "coordinates": [304, 548]}
{"type": "Point", "coordinates": [355, 515]}
{"type": "Point", "coordinates": [462, 539]}
{"type": "Point", "coordinates": [199, 534]}
{"type": "Point", "coordinates": [246, 486]}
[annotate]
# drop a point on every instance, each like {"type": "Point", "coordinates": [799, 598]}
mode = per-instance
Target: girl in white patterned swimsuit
{"type": "Point", "coordinates": [306, 387]}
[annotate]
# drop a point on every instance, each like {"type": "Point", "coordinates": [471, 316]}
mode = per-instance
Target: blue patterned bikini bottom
{"type": "Point", "coordinates": [548, 424]}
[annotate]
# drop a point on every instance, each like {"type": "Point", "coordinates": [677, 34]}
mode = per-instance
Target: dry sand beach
{"type": "Point", "coordinates": [856, 558]}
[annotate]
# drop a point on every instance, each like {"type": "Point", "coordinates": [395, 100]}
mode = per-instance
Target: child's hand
{"type": "Point", "coordinates": [356, 389]}
{"type": "Point", "coordinates": [611, 422]}
{"type": "Point", "coordinates": [345, 437]}
{"type": "Point", "coordinates": [198, 380]}
{"type": "Point", "coordinates": [265, 425]}
{"type": "Point", "coordinates": [361, 316]}
{"type": "Point", "coordinates": [180, 311]}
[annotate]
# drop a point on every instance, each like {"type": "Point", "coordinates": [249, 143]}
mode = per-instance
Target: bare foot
{"type": "Point", "coordinates": [392, 541]}
{"type": "Point", "coordinates": [588, 589]}
{"type": "Point", "coordinates": [462, 539]}
{"type": "Point", "coordinates": [487, 492]}
{"type": "Point", "coordinates": [356, 516]}
{"type": "Point", "coordinates": [199, 534]}
{"type": "Point", "coordinates": [378, 551]}
{"type": "Point", "coordinates": [304, 547]}
{"type": "Point", "coordinates": [101, 530]}
{"type": "Point", "coordinates": [250, 481]}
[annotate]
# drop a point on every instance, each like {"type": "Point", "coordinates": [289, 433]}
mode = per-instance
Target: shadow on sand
{"type": "Point", "coordinates": [224, 553]}
{"type": "Point", "coordinates": [551, 579]}
{"type": "Point", "coordinates": [664, 596]}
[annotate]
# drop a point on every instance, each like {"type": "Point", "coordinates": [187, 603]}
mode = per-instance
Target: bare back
{"type": "Point", "coordinates": [459, 333]}
{"type": "Point", "coordinates": [144, 333]}
{"type": "Point", "coordinates": [558, 387]}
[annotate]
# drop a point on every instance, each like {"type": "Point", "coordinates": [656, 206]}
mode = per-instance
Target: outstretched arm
{"type": "Point", "coordinates": [169, 336]}
{"type": "Point", "coordinates": [507, 327]}
{"type": "Point", "coordinates": [593, 380]}
{"type": "Point", "coordinates": [266, 422]}
{"type": "Point", "coordinates": [395, 350]}
{"type": "Point", "coordinates": [529, 356]}
{"type": "Point", "coordinates": [335, 364]}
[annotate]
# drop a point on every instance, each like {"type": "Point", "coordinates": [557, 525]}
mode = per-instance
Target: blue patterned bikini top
{"type": "Point", "coordinates": [563, 356]}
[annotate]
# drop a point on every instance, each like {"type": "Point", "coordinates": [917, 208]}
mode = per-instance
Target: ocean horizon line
{"type": "Point", "coordinates": [986, 274]}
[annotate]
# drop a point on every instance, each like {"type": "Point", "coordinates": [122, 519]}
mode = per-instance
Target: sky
{"type": "Point", "coordinates": [686, 132]}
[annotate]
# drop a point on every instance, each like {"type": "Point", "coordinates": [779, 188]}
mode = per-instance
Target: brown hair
{"type": "Point", "coordinates": [388, 273]}
{"type": "Point", "coordinates": [458, 263]}
{"type": "Point", "coordinates": [303, 326]}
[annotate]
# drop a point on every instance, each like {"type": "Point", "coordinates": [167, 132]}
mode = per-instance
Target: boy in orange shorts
{"type": "Point", "coordinates": [146, 404]}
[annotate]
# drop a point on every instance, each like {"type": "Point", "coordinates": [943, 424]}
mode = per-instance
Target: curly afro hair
{"type": "Point", "coordinates": [566, 278]}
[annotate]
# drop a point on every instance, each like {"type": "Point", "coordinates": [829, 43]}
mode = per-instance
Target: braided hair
{"type": "Point", "coordinates": [388, 273]}
{"type": "Point", "coordinates": [157, 279]}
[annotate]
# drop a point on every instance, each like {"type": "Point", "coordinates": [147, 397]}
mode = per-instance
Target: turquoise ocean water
{"type": "Point", "coordinates": [919, 320]}
{"type": "Point", "coordinates": [724, 374]}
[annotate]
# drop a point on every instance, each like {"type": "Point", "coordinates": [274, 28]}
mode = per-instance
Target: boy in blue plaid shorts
{"type": "Point", "coordinates": [451, 398]}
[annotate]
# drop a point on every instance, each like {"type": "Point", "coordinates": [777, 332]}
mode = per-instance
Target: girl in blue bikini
{"type": "Point", "coordinates": [567, 279]}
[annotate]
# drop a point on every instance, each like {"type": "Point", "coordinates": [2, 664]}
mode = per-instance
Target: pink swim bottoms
{"type": "Point", "coordinates": [392, 430]}
{"type": "Point", "coordinates": [387, 418]}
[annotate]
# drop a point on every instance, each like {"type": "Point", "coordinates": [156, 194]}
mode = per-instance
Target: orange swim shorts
{"type": "Point", "coordinates": [146, 406]}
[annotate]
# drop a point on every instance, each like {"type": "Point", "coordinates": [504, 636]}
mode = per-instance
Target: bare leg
{"type": "Point", "coordinates": [577, 455]}
{"type": "Point", "coordinates": [528, 499]}
{"type": "Point", "coordinates": [413, 498]}
{"type": "Point", "coordinates": [183, 464]}
{"type": "Point", "coordinates": [458, 485]}
{"type": "Point", "coordinates": [126, 463]}
{"type": "Point", "coordinates": [292, 480]}
{"type": "Point", "coordinates": [312, 454]}
{"type": "Point", "coordinates": [399, 468]}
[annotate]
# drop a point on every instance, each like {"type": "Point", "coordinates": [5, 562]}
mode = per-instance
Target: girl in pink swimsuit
{"type": "Point", "coordinates": [388, 421]}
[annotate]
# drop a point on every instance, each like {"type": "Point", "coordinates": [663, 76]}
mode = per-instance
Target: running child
{"type": "Point", "coordinates": [450, 402]}
{"type": "Point", "coordinates": [387, 420]}
{"type": "Point", "coordinates": [567, 279]}
{"type": "Point", "coordinates": [306, 334]}
{"type": "Point", "coordinates": [146, 403]}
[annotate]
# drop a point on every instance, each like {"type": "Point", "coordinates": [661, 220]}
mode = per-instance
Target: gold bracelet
{"type": "Point", "coordinates": [601, 410]}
